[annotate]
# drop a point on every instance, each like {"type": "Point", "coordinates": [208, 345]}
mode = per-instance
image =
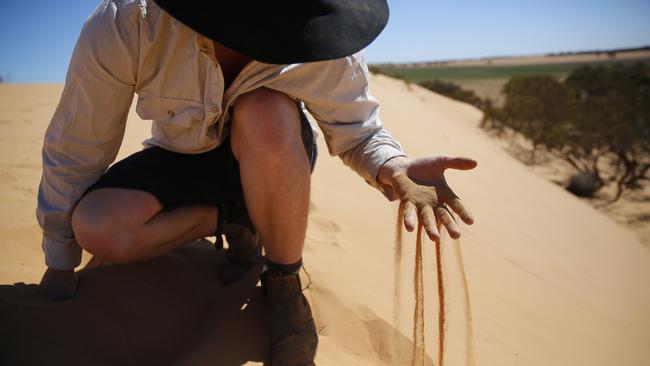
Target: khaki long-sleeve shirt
{"type": "Point", "coordinates": [130, 47]}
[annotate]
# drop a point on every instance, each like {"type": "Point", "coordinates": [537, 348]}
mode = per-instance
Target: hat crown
{"type": "Point", "coordinates": [283, 32]}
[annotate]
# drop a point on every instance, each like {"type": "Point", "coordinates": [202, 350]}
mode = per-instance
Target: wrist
{"type": "Point", "coordinates": [391, 168]}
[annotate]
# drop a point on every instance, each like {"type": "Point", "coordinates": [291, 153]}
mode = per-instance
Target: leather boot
{"type": "Point", "coordinates": [291, 326]}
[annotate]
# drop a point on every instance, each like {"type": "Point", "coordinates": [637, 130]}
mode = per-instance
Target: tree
{"type": "Point", "coordinates": [374, 69]}
{"type": "Point", "coordinates": [536, 107]}
{"type": "Point", "coordinates": [613, 111]}
{"type": "Point", "coordinates": [597, 114]}
{"type": "Point", "coordinates": [453, 91]}
{"type": "Point", "coordinates": [492, 117]}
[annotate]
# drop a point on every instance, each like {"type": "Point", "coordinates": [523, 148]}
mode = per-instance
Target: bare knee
{"type": "Point", "coordinates": [105, 224]}
{"type": "Point", "coordinates": [267, 121]}
{"type": "Point", "coordinates": [101, 233]}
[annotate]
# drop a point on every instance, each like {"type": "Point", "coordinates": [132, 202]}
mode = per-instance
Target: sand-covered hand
{"type": "Point", "coordinates": [425, 194]}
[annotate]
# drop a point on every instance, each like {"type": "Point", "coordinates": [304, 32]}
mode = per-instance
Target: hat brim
{"type": "Point", "coordinates": [285, 32]}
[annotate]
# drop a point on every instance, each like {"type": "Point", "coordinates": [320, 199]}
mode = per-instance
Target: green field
{"type": "Point", "coordinates": [486, 81]}
{"type": "Point", "coordinates": [459, 73]}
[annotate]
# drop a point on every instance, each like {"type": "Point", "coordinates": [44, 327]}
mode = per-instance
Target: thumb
{"type": "Point", "coordinates": [458, 163]}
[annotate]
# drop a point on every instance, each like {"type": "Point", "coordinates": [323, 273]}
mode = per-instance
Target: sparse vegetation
{"type": "Point", "coordinates": [536, 107]}
{"type": "Point", "coordinates": [453, 91]}
{"type": "Point", "coordinates": [598, 114]}
{"type": "Point", "coordinates": [374, 69]}
{"type": "Point", "coordinates": [612, 110]}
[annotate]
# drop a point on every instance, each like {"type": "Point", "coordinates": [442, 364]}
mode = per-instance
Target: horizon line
{"type": "Point", "coordinates": [497, 57]}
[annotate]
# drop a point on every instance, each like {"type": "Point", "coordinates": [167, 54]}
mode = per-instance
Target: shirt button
{"type": "Point", "coordinates": [214, 108]}
{"type": "Point", "coordinates": [171, 113]}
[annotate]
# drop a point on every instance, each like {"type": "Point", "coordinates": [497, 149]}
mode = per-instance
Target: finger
{"type": "Point", "coordinates": [445, 218]}
{"type": "Point", "coordinates": [450, 198]}
{"type": "Point", "coordinates": [428, 219]}
{"type": "Point", "coordinates": [458, 163]}
{"type": "Point", "coordinates": [458, 207]}
{"type": "Point", "coordinates": [410, 216]}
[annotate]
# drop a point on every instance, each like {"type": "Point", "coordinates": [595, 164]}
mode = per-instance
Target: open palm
{"type": "Point", "coordinates": [425, 194]}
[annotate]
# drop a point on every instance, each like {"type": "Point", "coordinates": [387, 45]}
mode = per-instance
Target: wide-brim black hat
{"type": "Point", "coordinates": [284, 31]}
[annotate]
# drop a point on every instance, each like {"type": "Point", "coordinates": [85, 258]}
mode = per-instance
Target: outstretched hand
{"type": "Point", "coordinates": [421, 186]}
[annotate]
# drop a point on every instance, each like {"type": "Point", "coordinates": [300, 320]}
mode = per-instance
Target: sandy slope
{"type": "Point", "coordinates": [552, 281]}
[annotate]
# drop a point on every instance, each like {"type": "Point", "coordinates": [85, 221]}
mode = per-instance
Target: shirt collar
{"type": "Point", "coordinates": [206, 46]}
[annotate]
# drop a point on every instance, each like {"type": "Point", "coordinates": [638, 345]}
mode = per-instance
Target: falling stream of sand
{"type": "Point", "coordinates": [418, 356]}
{"type": "Point", "coordinates": [469, 326]}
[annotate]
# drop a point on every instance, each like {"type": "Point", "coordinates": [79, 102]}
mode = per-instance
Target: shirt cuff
{"type": "Point", "coordinates": [374, 163]}
{"type": "Point", "coordinates": [61, 255]}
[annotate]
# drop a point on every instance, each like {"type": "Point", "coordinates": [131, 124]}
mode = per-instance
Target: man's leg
{"type": "Point", "coordinates": [124, 225]}
{"type": "Point", "coordinates": [275, 175]}
{"type": "Point", "coordinates": [275, 171]}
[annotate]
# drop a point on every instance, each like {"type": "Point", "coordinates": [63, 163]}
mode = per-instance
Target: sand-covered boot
{"type": "Point", "coordinates": [244, 249]}
{"type": "Point", "coordinates": [291, 326]}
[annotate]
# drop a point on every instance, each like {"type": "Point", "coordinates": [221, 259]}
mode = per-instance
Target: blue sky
{"type": "Point", "coordinates": [37, 36]}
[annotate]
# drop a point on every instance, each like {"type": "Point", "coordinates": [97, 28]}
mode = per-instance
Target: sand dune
{"type": "Point", "coordinates": [552, 281]}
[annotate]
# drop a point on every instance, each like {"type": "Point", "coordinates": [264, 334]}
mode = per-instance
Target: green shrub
{"type": "Point", "coordinates": [596, 113]}
{"type": "Point", "coordinates": [453, 91]}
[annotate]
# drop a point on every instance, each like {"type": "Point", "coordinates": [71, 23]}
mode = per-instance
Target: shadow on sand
{"type": "Point", "coordinates": [167, 311]}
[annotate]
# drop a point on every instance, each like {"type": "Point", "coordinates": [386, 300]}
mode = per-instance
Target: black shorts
{"type": "Point", "coordinates": [176, 179]}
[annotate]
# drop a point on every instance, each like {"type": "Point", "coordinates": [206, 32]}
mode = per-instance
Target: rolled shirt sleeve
{"type": "Point", "coordinates": [86, 130]}
{"type": "Point", "coordinates": [337, 94]}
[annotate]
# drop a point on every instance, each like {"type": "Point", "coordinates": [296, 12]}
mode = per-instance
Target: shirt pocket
{"type": "Point", "coordinates": [170, 111]}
